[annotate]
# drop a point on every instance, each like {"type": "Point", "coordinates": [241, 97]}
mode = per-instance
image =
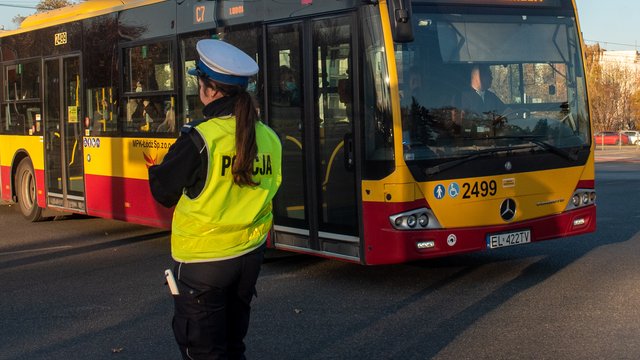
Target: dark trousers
{"type": "Point", "coordinates": [212, 311]}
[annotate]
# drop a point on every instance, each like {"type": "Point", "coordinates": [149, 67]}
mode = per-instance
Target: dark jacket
{"type": "Point", "coordinates": [471, 101]}
{"type": "Point", "coordinates": [184, 168]}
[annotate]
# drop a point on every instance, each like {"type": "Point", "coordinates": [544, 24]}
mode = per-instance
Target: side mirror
{"type": "Point", "coordinates": [400, 17]}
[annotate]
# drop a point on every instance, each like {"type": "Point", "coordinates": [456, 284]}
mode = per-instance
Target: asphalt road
{"type": "Point", "coordinates": [82, 288]}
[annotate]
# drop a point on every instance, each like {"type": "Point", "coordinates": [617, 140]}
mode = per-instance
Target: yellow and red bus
{"type": "Point", "coordinates": [382, 161]}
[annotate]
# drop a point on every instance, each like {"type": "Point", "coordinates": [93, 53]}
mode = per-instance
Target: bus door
{"type": "Point", "coordinates": [310, 105]}
{"type": "Point", "coordinates": [63, 133]}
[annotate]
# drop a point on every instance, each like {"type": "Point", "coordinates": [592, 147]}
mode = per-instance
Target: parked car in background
{"type": "Point", "coordinates": [634, 136]}
{"type": "Point", "coordinates": [610, 138]}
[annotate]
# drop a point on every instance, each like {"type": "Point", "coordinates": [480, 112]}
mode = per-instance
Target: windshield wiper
{"type": "Point", "coordinates": [481, 153]}
{"type": "Point", "coordinates": [556, 150]}
{"type": "Point", "coordinates": [535, 142]}
{"type": "Point", "coordinates": [543, 144]}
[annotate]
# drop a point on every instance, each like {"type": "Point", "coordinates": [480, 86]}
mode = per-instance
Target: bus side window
{"type": "Point", "coordinates": [21, 103]}
{"type": "Point", "coordinates": [149, 99]}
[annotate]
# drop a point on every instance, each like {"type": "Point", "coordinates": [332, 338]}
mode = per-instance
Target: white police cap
{"type": "Point", "coordinates": [224, 63]}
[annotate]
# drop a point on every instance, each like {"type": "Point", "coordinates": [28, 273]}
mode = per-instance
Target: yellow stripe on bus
{"type": "Point", "coordinates": [79, 11]}
{"type": "Point", "coordinates": [123, 157]}
{"type": "Point", "coordinates": [392, 81]}
{"type": "Point", "coordinates": [32, 145]}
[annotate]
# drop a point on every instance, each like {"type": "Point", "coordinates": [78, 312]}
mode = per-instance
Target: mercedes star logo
{"type": "Point", "coordinates": [508, 209]}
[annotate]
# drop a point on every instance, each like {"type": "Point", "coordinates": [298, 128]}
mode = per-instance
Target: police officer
{"type": "Point", "coordinates": [221, 174]}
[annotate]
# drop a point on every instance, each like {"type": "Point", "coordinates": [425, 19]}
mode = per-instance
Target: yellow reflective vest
{"type": "Point", "coordinates": [226, 220]}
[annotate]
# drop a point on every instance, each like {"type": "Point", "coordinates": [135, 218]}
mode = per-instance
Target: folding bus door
{"type": "Point", "coordinates": [310, 105]}
{"type": "Point", "coordinates": [63, 133]}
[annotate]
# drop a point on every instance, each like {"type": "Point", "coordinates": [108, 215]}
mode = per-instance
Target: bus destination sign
{"type": "Point", "coordinates": [206, 12]}
{"type": "Point", "coordinates": [233, 9]}
{"type": "Point", "coordinates": [203, 13]}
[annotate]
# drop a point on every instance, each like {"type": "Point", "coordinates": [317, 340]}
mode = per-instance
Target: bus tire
{"type": "Point", "coordinates": [26, 191]}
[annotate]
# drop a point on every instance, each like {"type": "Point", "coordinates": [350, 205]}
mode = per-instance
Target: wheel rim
{"type": "Point", "coordinates": [28, 190]}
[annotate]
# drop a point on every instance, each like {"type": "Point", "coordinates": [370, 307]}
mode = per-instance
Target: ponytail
{"type": "Point", "coordinates": [246, 145]}
{"type": "Point", "coordinates": [246, 118]}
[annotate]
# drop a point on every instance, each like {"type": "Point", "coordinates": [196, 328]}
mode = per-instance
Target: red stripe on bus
{"type": "Point", "coordinates": [586, 184]}
{"type": "Point", "coordinates": [5, 179]}
{"type": "Point", "coordinates": [6, 193]}
{"type": "Point", "coordinates": [385, 245]}
{"type": "Point", "coordinates": [41, 190]}
{"type": "Point", "coordinates": [125, 199]}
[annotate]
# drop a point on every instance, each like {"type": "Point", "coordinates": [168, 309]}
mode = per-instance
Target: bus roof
{"type": "Point", "coordinates": [82, 10]}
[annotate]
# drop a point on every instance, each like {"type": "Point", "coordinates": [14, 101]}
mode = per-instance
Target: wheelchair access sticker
{"type": "Point", "coordinates": [454, 190]}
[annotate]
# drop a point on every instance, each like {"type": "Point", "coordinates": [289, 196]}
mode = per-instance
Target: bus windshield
{"type": "Point", "coordinates": [470, 83]}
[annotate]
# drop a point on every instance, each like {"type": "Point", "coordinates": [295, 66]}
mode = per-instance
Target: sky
{"type": "Point", "coordinates": [612, 23]}
{"type": "Point", "coordinates": [10, 8]}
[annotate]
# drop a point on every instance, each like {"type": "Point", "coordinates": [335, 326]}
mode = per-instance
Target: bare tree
{"type": "Point", "coordinates": [634, 113]}
{"type": "Point", "coordinates": [18, 19]}
{"type": "Point", "coordinates": [614, 91]}
{"type": "Point", "coordinates": [45, 5]}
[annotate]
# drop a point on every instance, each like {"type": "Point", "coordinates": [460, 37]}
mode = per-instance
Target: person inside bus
{"type": "Point", "coordinates": [477, 101]}
{"type": "Point", "coordinates": [169, 123]}
{"type": "Point", "coordinates": [345, 93]}
{"type": "Point", "coordinates": [222, 216]}
{"type": "Point", "coordinates": [289, 91]}
{"type": "Point", "coordinates": [412, 89]}
{"type": "Point", "coordinates": [146, 116]}
{"type": "Point", "coordinates": [477, 98]}
{"type": "Point", "coordinates": [151, 115]}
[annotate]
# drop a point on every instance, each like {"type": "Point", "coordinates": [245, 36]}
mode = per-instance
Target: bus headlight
{"type": "Point", "coordinates": [575, 200]}
{"type": "Point", "coordinates": [585, 198]}
{"type": "Point", "coordinates": [581, 198]}
{"type": "Point", "coordinates": [411, 221]}
{"type": "Point", "coordinates": [419, 219]}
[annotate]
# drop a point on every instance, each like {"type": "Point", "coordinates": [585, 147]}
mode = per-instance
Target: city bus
{"type": "Point", "coordinates": [382, 161]}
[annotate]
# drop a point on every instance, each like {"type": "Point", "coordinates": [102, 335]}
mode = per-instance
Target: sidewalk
{"type": "Point", "coordinates": [627, 153]}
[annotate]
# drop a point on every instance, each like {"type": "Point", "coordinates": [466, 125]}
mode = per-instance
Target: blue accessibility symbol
{"type": "Point", "coordinates": [454, 190]}
{"type": "Point", "coordinates": [439, 191]}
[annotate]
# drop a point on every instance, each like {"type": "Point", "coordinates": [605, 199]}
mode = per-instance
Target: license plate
{"type": "Point", "coordinates": [508, 239]}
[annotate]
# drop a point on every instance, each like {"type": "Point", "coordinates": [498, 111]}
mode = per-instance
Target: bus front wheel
{"type": "Point", "coordinates": [26, 191]}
